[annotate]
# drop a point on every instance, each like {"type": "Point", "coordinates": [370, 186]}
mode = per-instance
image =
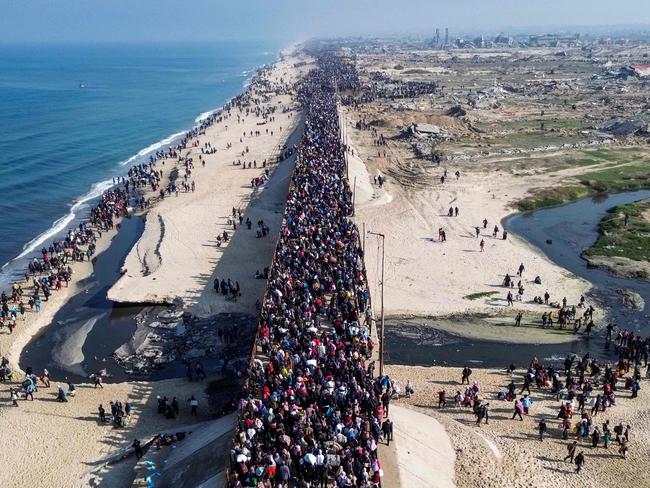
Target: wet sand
{"type": "Point", "coordinates": [493, 328]}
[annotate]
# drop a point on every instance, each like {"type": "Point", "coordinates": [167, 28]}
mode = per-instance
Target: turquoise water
{"type": "Point", "coordinates": [74, 116]}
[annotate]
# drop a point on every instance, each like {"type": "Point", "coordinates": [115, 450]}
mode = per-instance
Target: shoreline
{"type": "Point", "coordinates": [177, 258]}
{"type": "Point", "coordinates": [85, 268]}
{"type": "Point", "coordinates": [97, 188]}
{"type": "Point", "coordinates": [485, 327]}
{"type": "Point", "coordinates": [619, 245]}
{"type": "Point", "coordinates": [27, 329]}
{"type": "Point", "coordinates": [90, 443]}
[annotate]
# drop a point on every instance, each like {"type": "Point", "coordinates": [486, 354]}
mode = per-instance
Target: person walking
{"type": "Point", "coordinates": [442, 398]}
{"type": "Point", "coordinates": [194, 405]}
{"type": "Point", "coordinates": [465, 375]}
{"type": "Point", "coordinates": [580, 462]}
{"type": "Point", "coordinates": [595, 438]}
{"type": "Point", "coordinates": [385, 401]}
{"type": "Point", "coordinates": [623, 449]}
{"type": "Point", "coordinates": [607, 438]}
{"type": "Point", "coordinates": [387, 430]}
{"type": "Point", "coordinates": [542, 429]}
{"type": "Point", "coordinates": [571, 451]}
{"type": "Point", "coordinates": [14, 396]}
{"type": "Point", "coordinates": [517, 410]}
{"type": "Point", "coordinates": [137, 447]}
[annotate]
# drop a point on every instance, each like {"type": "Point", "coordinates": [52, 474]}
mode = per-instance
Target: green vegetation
{"type": "Point", "coordinates": [552, 197]}
{"type": "Point", "coordinates": [616, 239]}
{"type": "Point", "coordinates": [613, 179]}
{"type": "Point", "coordinates": [476, 296]}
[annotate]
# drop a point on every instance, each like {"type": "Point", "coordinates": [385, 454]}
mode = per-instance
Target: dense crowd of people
{"type": "Point", "coordinates": [311, 413]}
{"type": "Point", "coordinates": [380, 85]}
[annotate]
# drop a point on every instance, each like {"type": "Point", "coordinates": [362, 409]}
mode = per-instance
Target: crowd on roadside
{"type": "Point", "coordinates": [311, 412]}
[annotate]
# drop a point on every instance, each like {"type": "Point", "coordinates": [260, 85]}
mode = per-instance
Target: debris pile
{"type": "Point", "coordinates": [176, 335]}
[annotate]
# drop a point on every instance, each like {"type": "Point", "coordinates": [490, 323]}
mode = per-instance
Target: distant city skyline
{"type": "Point", "coordinates": [292, 20]}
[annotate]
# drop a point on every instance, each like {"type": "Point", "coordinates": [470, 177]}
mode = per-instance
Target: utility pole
{"type": "Point", "coordinates": [381, 333]}
{"type": "Point", "coordinates": [354, 196]}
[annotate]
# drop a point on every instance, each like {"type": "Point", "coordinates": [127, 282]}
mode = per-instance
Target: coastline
{"type": "Point", "coordinates": [177, 258]}
{"type": "Point", "coordinates": [12, 268]}
{"type": "Point", "coordinates": [23, 335]}
{"type": "Point", "coordinates": [27, 329]}
{"type": "Point", "coordinates": [93, 441]}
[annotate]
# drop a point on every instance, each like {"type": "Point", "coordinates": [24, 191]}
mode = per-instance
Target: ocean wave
{"type": "Point", "coordinates": [62, 224]}
{"type": "Point", "coordinates": [152, 148]}
{"type": "Point", "coordinates": [201, 117]}
{"type": "Point", "coordinates": [97, 189]}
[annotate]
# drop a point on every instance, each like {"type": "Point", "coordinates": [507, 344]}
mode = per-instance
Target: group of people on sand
{"type": "Point", "coordinates": [584, 390]}
{"type": "Point", "coordinates": [52, 270]}
{"type": "Point", "coordinates": [171, 408]}
{"type": "Point", "coordinates": [120, 412]}
{"type": "Point", "coordinates": [312, 411]}
{"type": "Point", "coordinates": [561, 312]}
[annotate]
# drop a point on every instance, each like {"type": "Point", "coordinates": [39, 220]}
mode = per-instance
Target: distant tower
{"type": "Point", "coordinates": [446, 36]}
{"type": "Point", "coordinates": [437, 37]}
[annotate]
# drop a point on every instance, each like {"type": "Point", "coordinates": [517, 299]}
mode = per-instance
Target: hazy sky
{"type": "Point", "coordinates": [157, 20]}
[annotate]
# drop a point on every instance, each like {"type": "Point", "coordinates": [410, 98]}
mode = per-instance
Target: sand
{"type": "Point", "coordinates": [508, 452]}
{"type": "Point", "coordinates": [47, 443]}
{"type": "Point", "coordinates": [177, 255]}
{"type": "Point", "coordinates": [11, 345]}
{"type": "Point", "coordinates": [425, 454]}
{"type": "Point", "coordinates": [428, 278]}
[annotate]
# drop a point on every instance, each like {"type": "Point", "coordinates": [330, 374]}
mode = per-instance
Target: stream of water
{"type": "Point", "coordinates": [570, 229]}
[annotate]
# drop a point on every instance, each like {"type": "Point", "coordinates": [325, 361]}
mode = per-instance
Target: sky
{"type": "Point", "coordinates": [49, 21]}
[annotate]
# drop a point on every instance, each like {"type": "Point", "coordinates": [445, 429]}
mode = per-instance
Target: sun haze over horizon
{"type": "Point", "coordinates": [42, 21]}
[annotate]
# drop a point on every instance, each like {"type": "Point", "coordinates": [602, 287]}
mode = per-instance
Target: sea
{"type": "Point", "coordinates": [73, 117]}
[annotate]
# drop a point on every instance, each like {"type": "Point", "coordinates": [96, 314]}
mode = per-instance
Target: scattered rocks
{"type": "Point", "coordinates": [631, 299]}
{"type": "Point", "coordinates": [166, 336]}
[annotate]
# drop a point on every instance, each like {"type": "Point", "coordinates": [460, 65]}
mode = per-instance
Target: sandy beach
{"type": "Point", "coordinates": [425, 277]}
{"type": "Point", "coordinates": [508, 452]}
{"type": "Point", "coordinates": [13, 344]}
{"type": "Point", "coordinates": [177, 256]}
{"type": "Point", "coordinates": [63, 444]}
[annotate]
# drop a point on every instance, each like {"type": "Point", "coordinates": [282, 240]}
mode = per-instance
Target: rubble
{"type": "Point", "coordinates": [173, 334]}
{"type": "Point", "coordinates": [621, 127]}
